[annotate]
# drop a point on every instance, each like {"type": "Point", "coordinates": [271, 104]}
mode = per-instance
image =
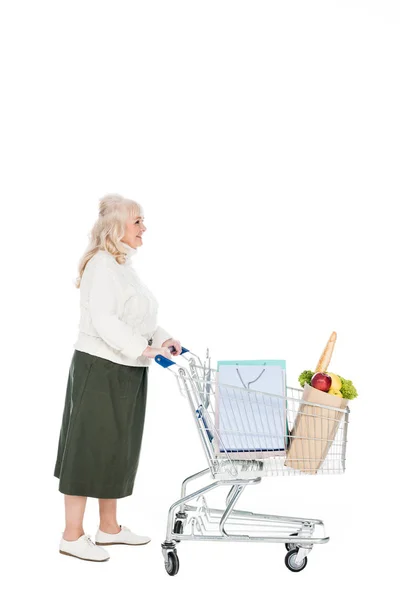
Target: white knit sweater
{"type": "Point", "coordinates": [118, 313]}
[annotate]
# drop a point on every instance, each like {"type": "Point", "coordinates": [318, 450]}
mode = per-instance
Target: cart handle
{"type": "Point", "coordinates": [165, 362]}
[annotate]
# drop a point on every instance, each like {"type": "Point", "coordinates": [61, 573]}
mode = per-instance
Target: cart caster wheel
{"type": "Point", "coordinates": [178, 528]}
{"type": "Point", "coordinates": [172, 564]}
{"type": "Point", "coordinates": [291, 546]}
{"type": "Point", "coordinates": [291, 565]}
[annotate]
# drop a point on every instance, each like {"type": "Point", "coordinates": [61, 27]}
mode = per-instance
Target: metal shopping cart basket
{"type": "Point", "coordinates": [326, 431]}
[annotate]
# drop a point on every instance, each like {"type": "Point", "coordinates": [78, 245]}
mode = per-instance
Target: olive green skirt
{"type": "Point", "coordinates": [101, 428]}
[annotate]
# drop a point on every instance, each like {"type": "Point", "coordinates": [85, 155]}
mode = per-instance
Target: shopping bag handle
{"type": "Point", "coordinates": [166, 362]}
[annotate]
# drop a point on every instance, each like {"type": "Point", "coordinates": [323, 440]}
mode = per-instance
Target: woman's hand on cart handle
{"type": "Point", "coordinates": [151, 352]}
{"type": "Point", "coordinates": [164, 361]}
{"type": "Point", "coordinates": [173, 345]}
{"type": "Point", "coordinates": [183, 350]}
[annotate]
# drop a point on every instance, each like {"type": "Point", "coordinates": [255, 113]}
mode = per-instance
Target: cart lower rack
{"type": "Point", "coordinates": [315, 440]}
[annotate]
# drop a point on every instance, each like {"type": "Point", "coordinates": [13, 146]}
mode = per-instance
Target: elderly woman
{"type": "Point", "coordinates": [104, 411]}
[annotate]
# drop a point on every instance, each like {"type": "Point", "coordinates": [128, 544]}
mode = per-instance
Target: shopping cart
{"type": "Point", "coordinates": [198, 382]}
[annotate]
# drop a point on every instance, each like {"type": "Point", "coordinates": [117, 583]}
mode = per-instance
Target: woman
{"type": "Point", "coordinates": [104, 411]}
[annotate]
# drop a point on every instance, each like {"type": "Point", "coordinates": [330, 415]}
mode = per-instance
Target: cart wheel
{"type": "Point", "coordinates": [172, 564]}
{"type": "Point", "coordinates": [178, 528]}
{"type": "Point", "coordinates": [291, 565]}
{"type": "Point", "coordinates": [291, 546]}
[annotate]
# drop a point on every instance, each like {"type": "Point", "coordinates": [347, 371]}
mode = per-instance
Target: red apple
{"type": "Point", "coordinates": [321, 381]}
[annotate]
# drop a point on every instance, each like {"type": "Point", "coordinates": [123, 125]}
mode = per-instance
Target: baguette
{"type": "Point", "coordinates": [326, 356]}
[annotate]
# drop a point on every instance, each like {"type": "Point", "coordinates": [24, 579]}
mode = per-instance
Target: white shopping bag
{"type": "Point", "coordinates": [250, 411]}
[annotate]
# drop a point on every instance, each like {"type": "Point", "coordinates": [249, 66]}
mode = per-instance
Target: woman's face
{"type": "Point", "coordinates": [133, 232]}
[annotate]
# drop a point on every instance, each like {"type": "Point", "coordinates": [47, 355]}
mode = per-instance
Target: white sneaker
{"type": "Point", "coordinates": [83, 548]}
{"type": "Point", "coordinates": [124, 536]}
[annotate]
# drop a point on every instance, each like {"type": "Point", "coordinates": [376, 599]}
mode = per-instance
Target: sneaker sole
{"type": "Point", "coordinates": [81, 558]}
{"type": "Point", "coordinates": [120, 544]}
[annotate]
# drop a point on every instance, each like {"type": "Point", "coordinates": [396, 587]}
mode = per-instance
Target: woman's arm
{"type": "Point", "coordinates": [103, 310]}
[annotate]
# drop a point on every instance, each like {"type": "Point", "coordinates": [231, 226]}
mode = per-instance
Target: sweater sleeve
{"type": "Point", "coordinates": [160, 336]}
{"type": "Point", "coordinates": [103, 311]}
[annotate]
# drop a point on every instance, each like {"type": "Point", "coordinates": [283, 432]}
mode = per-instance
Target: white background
{"type": "Point", "coordinates": [262, 139]}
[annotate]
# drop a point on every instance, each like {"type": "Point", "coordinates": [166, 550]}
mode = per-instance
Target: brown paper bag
{"type": "Point", "coordinates": [314, 430]}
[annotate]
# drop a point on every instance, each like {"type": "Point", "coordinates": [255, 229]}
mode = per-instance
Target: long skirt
{"type": "Point", "coordinates": [101, 429]}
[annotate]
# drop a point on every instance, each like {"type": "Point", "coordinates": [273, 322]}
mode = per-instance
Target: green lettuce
{"type": "Point", "coordinates": [348, 390]}
{"type": "Point", "coordinates": [305, 377]}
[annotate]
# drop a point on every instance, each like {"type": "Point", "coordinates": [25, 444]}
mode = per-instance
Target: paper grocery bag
{"type": "Point", "coordinates": [314, 430]}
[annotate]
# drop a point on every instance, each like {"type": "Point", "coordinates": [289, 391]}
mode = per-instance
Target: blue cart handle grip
{"type": "Point", "coordinates": [165, 362]}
